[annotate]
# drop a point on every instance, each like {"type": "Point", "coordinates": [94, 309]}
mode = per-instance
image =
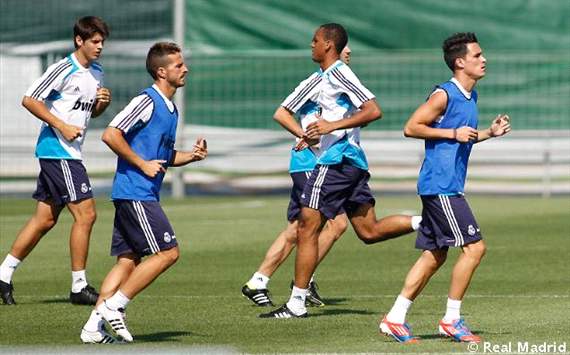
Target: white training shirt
{"type": "Point", "coordinates": [69, 91]}
{"type": "Point", "coordinates": [138, 111]}
{"type": "Point", "coordinates": [341, 94]}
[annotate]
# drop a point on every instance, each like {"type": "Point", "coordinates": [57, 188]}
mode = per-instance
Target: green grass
{"type": "Point", "coordinates": [520, 292]}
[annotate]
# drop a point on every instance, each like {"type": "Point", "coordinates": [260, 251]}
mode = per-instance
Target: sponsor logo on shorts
{"type": "Point", "coordinates": [167, 237]}
{"type": "Point", "coordinates": [85, 188]}
{"type": "Point", "coordinates": [471, 230]}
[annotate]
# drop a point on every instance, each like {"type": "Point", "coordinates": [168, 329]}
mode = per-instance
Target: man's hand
{"type": "Point", "coordinates": [102, 100]}
{"type": "Point", "coordinates": [103, 96]}
{"type": "Point", "coordinates": [501, 125]}
{"type": "Point", "coordinates": [465, 134]}
{"type": "Point", "coordinates": [305, 142]}
{"type": "Point", "coordinates": [319, 128]}
{"type": "Point", "coordinates": [200, 150]}
{"type": "Point", "coordinates": [69, 132]}
{"type": "Point", "coordinates": [151, 168]}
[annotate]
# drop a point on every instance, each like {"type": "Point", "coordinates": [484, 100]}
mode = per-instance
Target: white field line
{"type": "Point", "coordinates": [328, 296]}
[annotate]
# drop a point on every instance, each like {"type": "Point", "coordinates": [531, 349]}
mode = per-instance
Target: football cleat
{"type": "Point", "coordinates": [6, 292]}
{"type": "Point", "coordinates": [260, 296]}
{"type": "Point", "coordinates": [87, 296]}
{"type": "Point", "coordinates": [282, 312]}
{"type": "Point", "coordinates": [458, 331]}
{"type": "Point", "coordinates": [313, 298]}
{"type": "Point", "coordinates": [401, 332]}
{"type": "Point", "coordinates": [100, 336]}
{"type": "Point", "coordinates": [116, 319]}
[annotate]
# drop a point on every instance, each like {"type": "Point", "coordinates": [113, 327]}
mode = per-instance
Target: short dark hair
{"type": "Point", "coordinates": [157, 54]}
{"type": "Point", "coordinates": [86, 27]}
{"type": "Point", "coordinates": [336, 33]}
{"type": "Point", "coordinates": [455, 47]}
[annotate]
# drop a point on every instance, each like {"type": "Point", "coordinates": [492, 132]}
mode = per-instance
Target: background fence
{"type": "Point", "coordinates": [246, 56]}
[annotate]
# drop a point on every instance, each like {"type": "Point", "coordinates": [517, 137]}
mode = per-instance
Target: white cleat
{"type": "Point", "coordinates": [116, 319]}
{"type": "Point", "coordinates": [99, 336]}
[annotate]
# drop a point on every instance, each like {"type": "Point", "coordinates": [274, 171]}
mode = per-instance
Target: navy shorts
{"type": "Point", "coordinates": [141, 227]}
{"type": "Point", "coordinates": [447, 221]}
{"type": "Point", "coordinates": [299, 179]}
{"type": "Point", "coordinates": [62, 181]}
{"type": "Point", "coordinates": [332, 189]}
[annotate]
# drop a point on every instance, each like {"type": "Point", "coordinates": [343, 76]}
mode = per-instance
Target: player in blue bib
{"type": "Point", "coordinates": [448, 122]}
{"type": "Point", "coordinates": [143, 136]}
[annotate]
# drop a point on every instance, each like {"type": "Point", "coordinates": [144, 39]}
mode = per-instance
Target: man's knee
{"type": "Point", "coordinates": [170, 256]}
{"type": "Point", "coordinates": [475, 251]}
{"type": "Point", "coordinates": [367, 236]}
{"type": "Point", "coordinates": [338, 226]}
{"type": "Point", "coordinates": [88, 216]}
{"type": "Point", "coordinates": [46, 223]}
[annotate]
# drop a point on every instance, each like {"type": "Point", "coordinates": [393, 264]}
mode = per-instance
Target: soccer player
{"type": "Point", "coordinates": [448, 123]}
{"type": "Point", "coordinates": [340, 178]}
{"type": "Point", "coordinates": [64, 98]}
{"type": "Point", "coordinates": [142, 135]}
{"type": "Point", "coordinates": [302, 162]}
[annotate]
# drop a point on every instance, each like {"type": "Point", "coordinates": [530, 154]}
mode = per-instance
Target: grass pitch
{"type": "Point", "coordinates": [519, 294]}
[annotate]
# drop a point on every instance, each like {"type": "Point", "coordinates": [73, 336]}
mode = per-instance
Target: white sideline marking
{"type": "Point", "coordinates": [328, 296]}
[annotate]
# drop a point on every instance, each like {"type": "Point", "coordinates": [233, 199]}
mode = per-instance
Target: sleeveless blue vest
{"type": "Point", "coordinates": [444, 167]}
{"type": "Point", "coordinates": [153, 140]}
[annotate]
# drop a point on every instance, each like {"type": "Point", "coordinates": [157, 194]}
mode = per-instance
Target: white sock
{"type": "Point", "coordinates": [94, 321]}
{"type": "Point", "coordinates": [312, 278]}
{"type": "Point", "coordinates": [258, 281]}
{"type": "Point", "coordinates": [399, 310]}
{"type": "Point", "coordinates": [453, 310]}
{"type": "Point", "coordinates": [8, 267]}
{"type": "Point", "coordinates": [118, 300]}
{"type": "Point", "coordinates": [297, 301]}
{"type": "Point", "coordinates": [78, 281]}
{"type": "Point", "coordinates": [416, 221]}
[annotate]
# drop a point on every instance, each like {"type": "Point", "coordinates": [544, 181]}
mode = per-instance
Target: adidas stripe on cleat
{"type": "Point", "coordinates": [261, 296]}
{"type": "Point", "coordinates": [458, 331]}
{"type": "Point", "coordinates": [401, 332]}
{"type": "Point", "coordinates": [282, 312]}
{"type": "Point", "coordinates": [98, 337]}
{"type": "Point", "coordinates": [116, 319]}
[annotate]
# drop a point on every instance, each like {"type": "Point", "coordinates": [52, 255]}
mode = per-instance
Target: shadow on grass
{"type": "Point", "coordinates": [54, 300]}
{"type": "Point", "coordinates": [335, 301]}
{"type": "Point", "coordinates": [443, 338]}
{"type": "Point", "coordinates": [162, 336]}
{"type": "Point", "coordinates": [334, 312]}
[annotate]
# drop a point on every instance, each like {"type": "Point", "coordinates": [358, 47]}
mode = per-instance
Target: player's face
{"type": "Point", "coordinates": [318, 46]}
{"type": "Point", "coordinates": [345, 55]}
{"type": "Point", "coordinates": [91, 48]}
{"type": "Point", "coordinates": [474, 63]}
{"type": "Point", "coordinates": [176, 70]}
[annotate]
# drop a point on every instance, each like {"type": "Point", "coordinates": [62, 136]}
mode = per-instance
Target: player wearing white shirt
{"type": "Point", "coordinates": [302, 162]}
{"type": "Point", "coordinates": [340, 178]}
{"type": "Point", "coordinates": [64, 98]}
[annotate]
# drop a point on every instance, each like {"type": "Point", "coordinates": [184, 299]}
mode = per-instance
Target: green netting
{"type": "Point", "coordinates": [244, 90]}
{"type": "Point", "coordinates": [249, 54]}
